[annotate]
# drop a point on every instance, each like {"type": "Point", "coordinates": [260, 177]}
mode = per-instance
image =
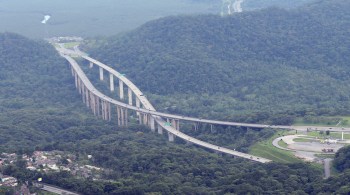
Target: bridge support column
{"type": "Point", "coordinates": [101, 73]}
{"type": "Point", "coordinates": [87, 98]}
{"type": "Point", "coordinates": [118, 116]}
{"type": "Point", "coordinates": [126, 117]}
{"type": "Point", "coordinates": [111, 81]}
{"type": "Point", "coordinates": [130, 96]}
{"type": "Point", "coordinates": [175, 124]}
{"type": "Point", "coordinates": [91, 64]}
{"type": "Point", "coordinates": [171, 137]}
{"type": "Point", "coordinates": [79, 86]}
{"type": "Point", "coordinates": [145, 119]}
{"type": "Point", "coordinates": [98, 106]}
{"type": "Point", "coordinates": [152, 124]}
{"type": "Point", "coordinates": [83, 92]}
{"type": "Point", "coordinates": [195, 126]}
{"type": "Point", "coordinates": [72, 69]}
{"type": "Point", "coordinates": [109, 111]}
{"type": "Point", "coordinates": [140, 118]}
{"type": "Point", "coordinates": [121, 89]}
{"type": "Point", "coordinates": [92, 103]}
{"type": "Point", "coordinates": [160, 129]}
{"type": "Point", "coordinates": [138, 105]}
{"type": "Point", "coordinates": [212, 129]}
{"type": "Point", "coordinates": [122, 117]}
{"type": "Point", "coordinates": [342, 135]}
{"type": "Point", "coordinates": [76, 79]}
{"type": "Point", "coordinates": [103, 109]}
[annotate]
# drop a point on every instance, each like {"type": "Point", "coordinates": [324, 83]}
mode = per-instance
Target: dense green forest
{"type": "Point", "coordinates": [254, 66]}
{"type": "Point", "coordinates": [41, 109]}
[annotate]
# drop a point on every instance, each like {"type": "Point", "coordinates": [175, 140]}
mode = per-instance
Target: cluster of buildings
{"type": "Point", "coordinates": [8, 181]}
{"type": "Point", "coordinates": [55, 161]}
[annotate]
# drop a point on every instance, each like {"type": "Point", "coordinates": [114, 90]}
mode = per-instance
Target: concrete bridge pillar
{"type": "Point", "coordinates": [83, 92]}
{"type": "Point", "coordinates": [140, 118]}
{"type": "Point", "coordinates": [121, 89]}
{"type": "Point", "coordinates": [175, 124]}
{"type": "Point", "coordinates": [91, 64]}
{"type": "Point", "coordinates": [130, 96]}
{"type": "Point", "coordinates": [109, 111]}
{"type": "Point", "coordinates": [152, 124]}
{"type": "Point", "coordinates": [122, 117]}
{"type": "Point", "coordinates": [101, 73]}
{"type": "Point", "coordinates": [92, 103]}
{"type": "Point", "coordinates": [138, 105]}
{"type": "Point", "coordinates": [76, 79]}
{"type": "Point", "coordinates": [145, 119]}
{"type": "Point", "coordinates": [126, 117]}
{"type": "Point", "coordinates": [87, 97]}
{"type": "Point", "coordinates": [111, 81]}
{"type": "Point", "coordinates": [72, 70]}
{"type": "Point", "coordinates": [212, 128]}
{"type": "Point", "coordinates": [195, 126]}
{"type": "Point", "coordinates": [118, 116]}
{"type": "Point", "coordinates": [98, 107]}
{"type": "Point", "coordinates": [160, 129]}
{"type": "Point", "coordinates": [103, 109]}
{"type": "Point", "coordinates": [79, 85]}
{"type": "Point", "coordinates": [171, 137]}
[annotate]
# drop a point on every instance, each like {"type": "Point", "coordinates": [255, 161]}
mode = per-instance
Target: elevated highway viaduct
{"type": "Point", "coordinates": [102, 105]}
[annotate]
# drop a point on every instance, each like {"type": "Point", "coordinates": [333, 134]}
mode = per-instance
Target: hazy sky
{"type": "Point", "coordinates": [103, 17]}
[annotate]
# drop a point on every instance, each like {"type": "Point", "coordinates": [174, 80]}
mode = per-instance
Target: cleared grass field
{"type": "Point", "coordinates": [334, 135]}
{"type": "Point", "coordinates": [340, 121]}
{"type": "Point", "coordinates": [267, 150]}
{"type": "Point", "coordinates": [71, 44]}
{"type": "Point", "coordinates": [304, 140]}
{"type": "Point", "coordinates": [282, 144]}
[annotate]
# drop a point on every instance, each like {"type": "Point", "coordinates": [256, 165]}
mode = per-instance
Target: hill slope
{"type": "Point", "coordinates": [271, 60]}
{"type": "Point", "coordinates": [40, 109]}
{"type": "Point", "coordinates": [38, 103]}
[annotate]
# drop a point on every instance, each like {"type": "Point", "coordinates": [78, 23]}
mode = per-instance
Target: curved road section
{"type": "Point", "coordinates": [148, 108]}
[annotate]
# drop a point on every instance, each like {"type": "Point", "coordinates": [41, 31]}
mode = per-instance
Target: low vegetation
{"type": "Point", "coordinates": [267, 150]}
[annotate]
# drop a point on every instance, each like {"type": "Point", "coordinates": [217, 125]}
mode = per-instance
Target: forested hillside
{"type": "Point", "coordinates": [272, 61]}
{"type": "Point", "coordinates": [40, 109]}
{"type": "Point", "coordinates": [38, 102]}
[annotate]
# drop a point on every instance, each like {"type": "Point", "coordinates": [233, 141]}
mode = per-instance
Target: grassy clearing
{"type": "Point", "coordinates": [71, 44]}
{"type": "Point", "coordinates": [325, 155]}
{"type": "Point", "coordinates": [304, 140]}
{"type": "Point", "coordinates": [282, 144]}
{"type": "Point", "coordinates": [340, 121]}
{"type": "Point", "coordinates": [335, 135]}
{"type": "Point", "coordinates": [267, 150]}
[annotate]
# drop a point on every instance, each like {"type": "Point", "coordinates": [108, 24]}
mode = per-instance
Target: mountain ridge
{"type": "Point", "coordinates": [270, 56]}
